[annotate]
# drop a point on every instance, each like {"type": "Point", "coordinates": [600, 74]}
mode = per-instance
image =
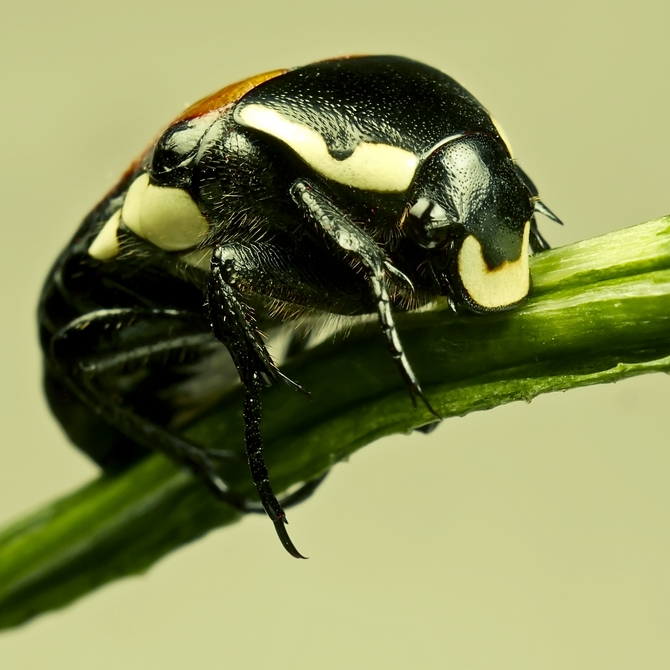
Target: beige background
{"type": "Point", "coordinates": [532, 536]}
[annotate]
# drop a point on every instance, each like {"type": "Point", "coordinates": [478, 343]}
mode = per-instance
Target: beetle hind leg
{"type": "Point", "coordinates": [98, 359]}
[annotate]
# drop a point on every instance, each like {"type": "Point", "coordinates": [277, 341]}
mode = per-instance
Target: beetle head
{"type": "Point", "coordinates": [472, 214]}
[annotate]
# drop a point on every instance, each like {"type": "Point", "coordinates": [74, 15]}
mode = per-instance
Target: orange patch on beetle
{"type": "Point", "coordinates": [227, 96]}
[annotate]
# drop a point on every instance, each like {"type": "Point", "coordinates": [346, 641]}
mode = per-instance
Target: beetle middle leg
{"type": "Point", "coordinates": [233, 325]}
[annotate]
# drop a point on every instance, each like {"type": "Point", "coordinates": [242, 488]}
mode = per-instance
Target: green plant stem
{"type": "Point", "coordinates": [599, 313]}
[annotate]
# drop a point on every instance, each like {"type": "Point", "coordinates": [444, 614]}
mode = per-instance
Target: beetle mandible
{"type": "Point", "coordinates": [351, 186]}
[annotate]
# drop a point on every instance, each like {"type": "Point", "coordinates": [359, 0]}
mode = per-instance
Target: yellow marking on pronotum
{"type": "Point", "coordinates": [167, 217]}
{"type": "Point", "coordinates": [500, 287]}
{"type": "Point", "coordinates": [106, 244]}
{"type": "Point", "coordinates": [371, 167]}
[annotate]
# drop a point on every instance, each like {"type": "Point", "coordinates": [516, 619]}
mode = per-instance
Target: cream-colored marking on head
{"type": "Point", "coordinates": [167, 217]}
{"type": "Point", "coordinates": [106, 243]}
{"type": "Point", "coordinates": [502, 286]}
{"type": "Point", "coordinates": [503, 136]}
{"type": "Point", "coordinates": [200, 259]}
{"type": "Point", "coordinates": [371, 167]}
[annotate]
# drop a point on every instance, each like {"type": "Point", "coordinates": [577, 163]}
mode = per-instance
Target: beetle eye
{"type": "Point", "coordinates": [430, 223]}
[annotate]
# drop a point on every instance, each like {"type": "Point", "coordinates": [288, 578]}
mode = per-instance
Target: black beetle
{"type": "Point", "coordinates": [349, 186]}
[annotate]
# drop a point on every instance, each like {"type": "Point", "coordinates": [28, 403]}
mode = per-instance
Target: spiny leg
{"type": "Point", "coordinates": [117, 342]}
{"type": "Point", "coordinates": [233, 325]}
{"type": "Point", "coordinates": [259, 471]}
{"type": "Point", "coordinates": [360, 246]}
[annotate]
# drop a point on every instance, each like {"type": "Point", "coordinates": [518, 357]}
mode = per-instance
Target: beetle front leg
{"type": "Point", "coordinates": [233, 326]}
{"type": "Point", "coordinates": [360, 246]}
